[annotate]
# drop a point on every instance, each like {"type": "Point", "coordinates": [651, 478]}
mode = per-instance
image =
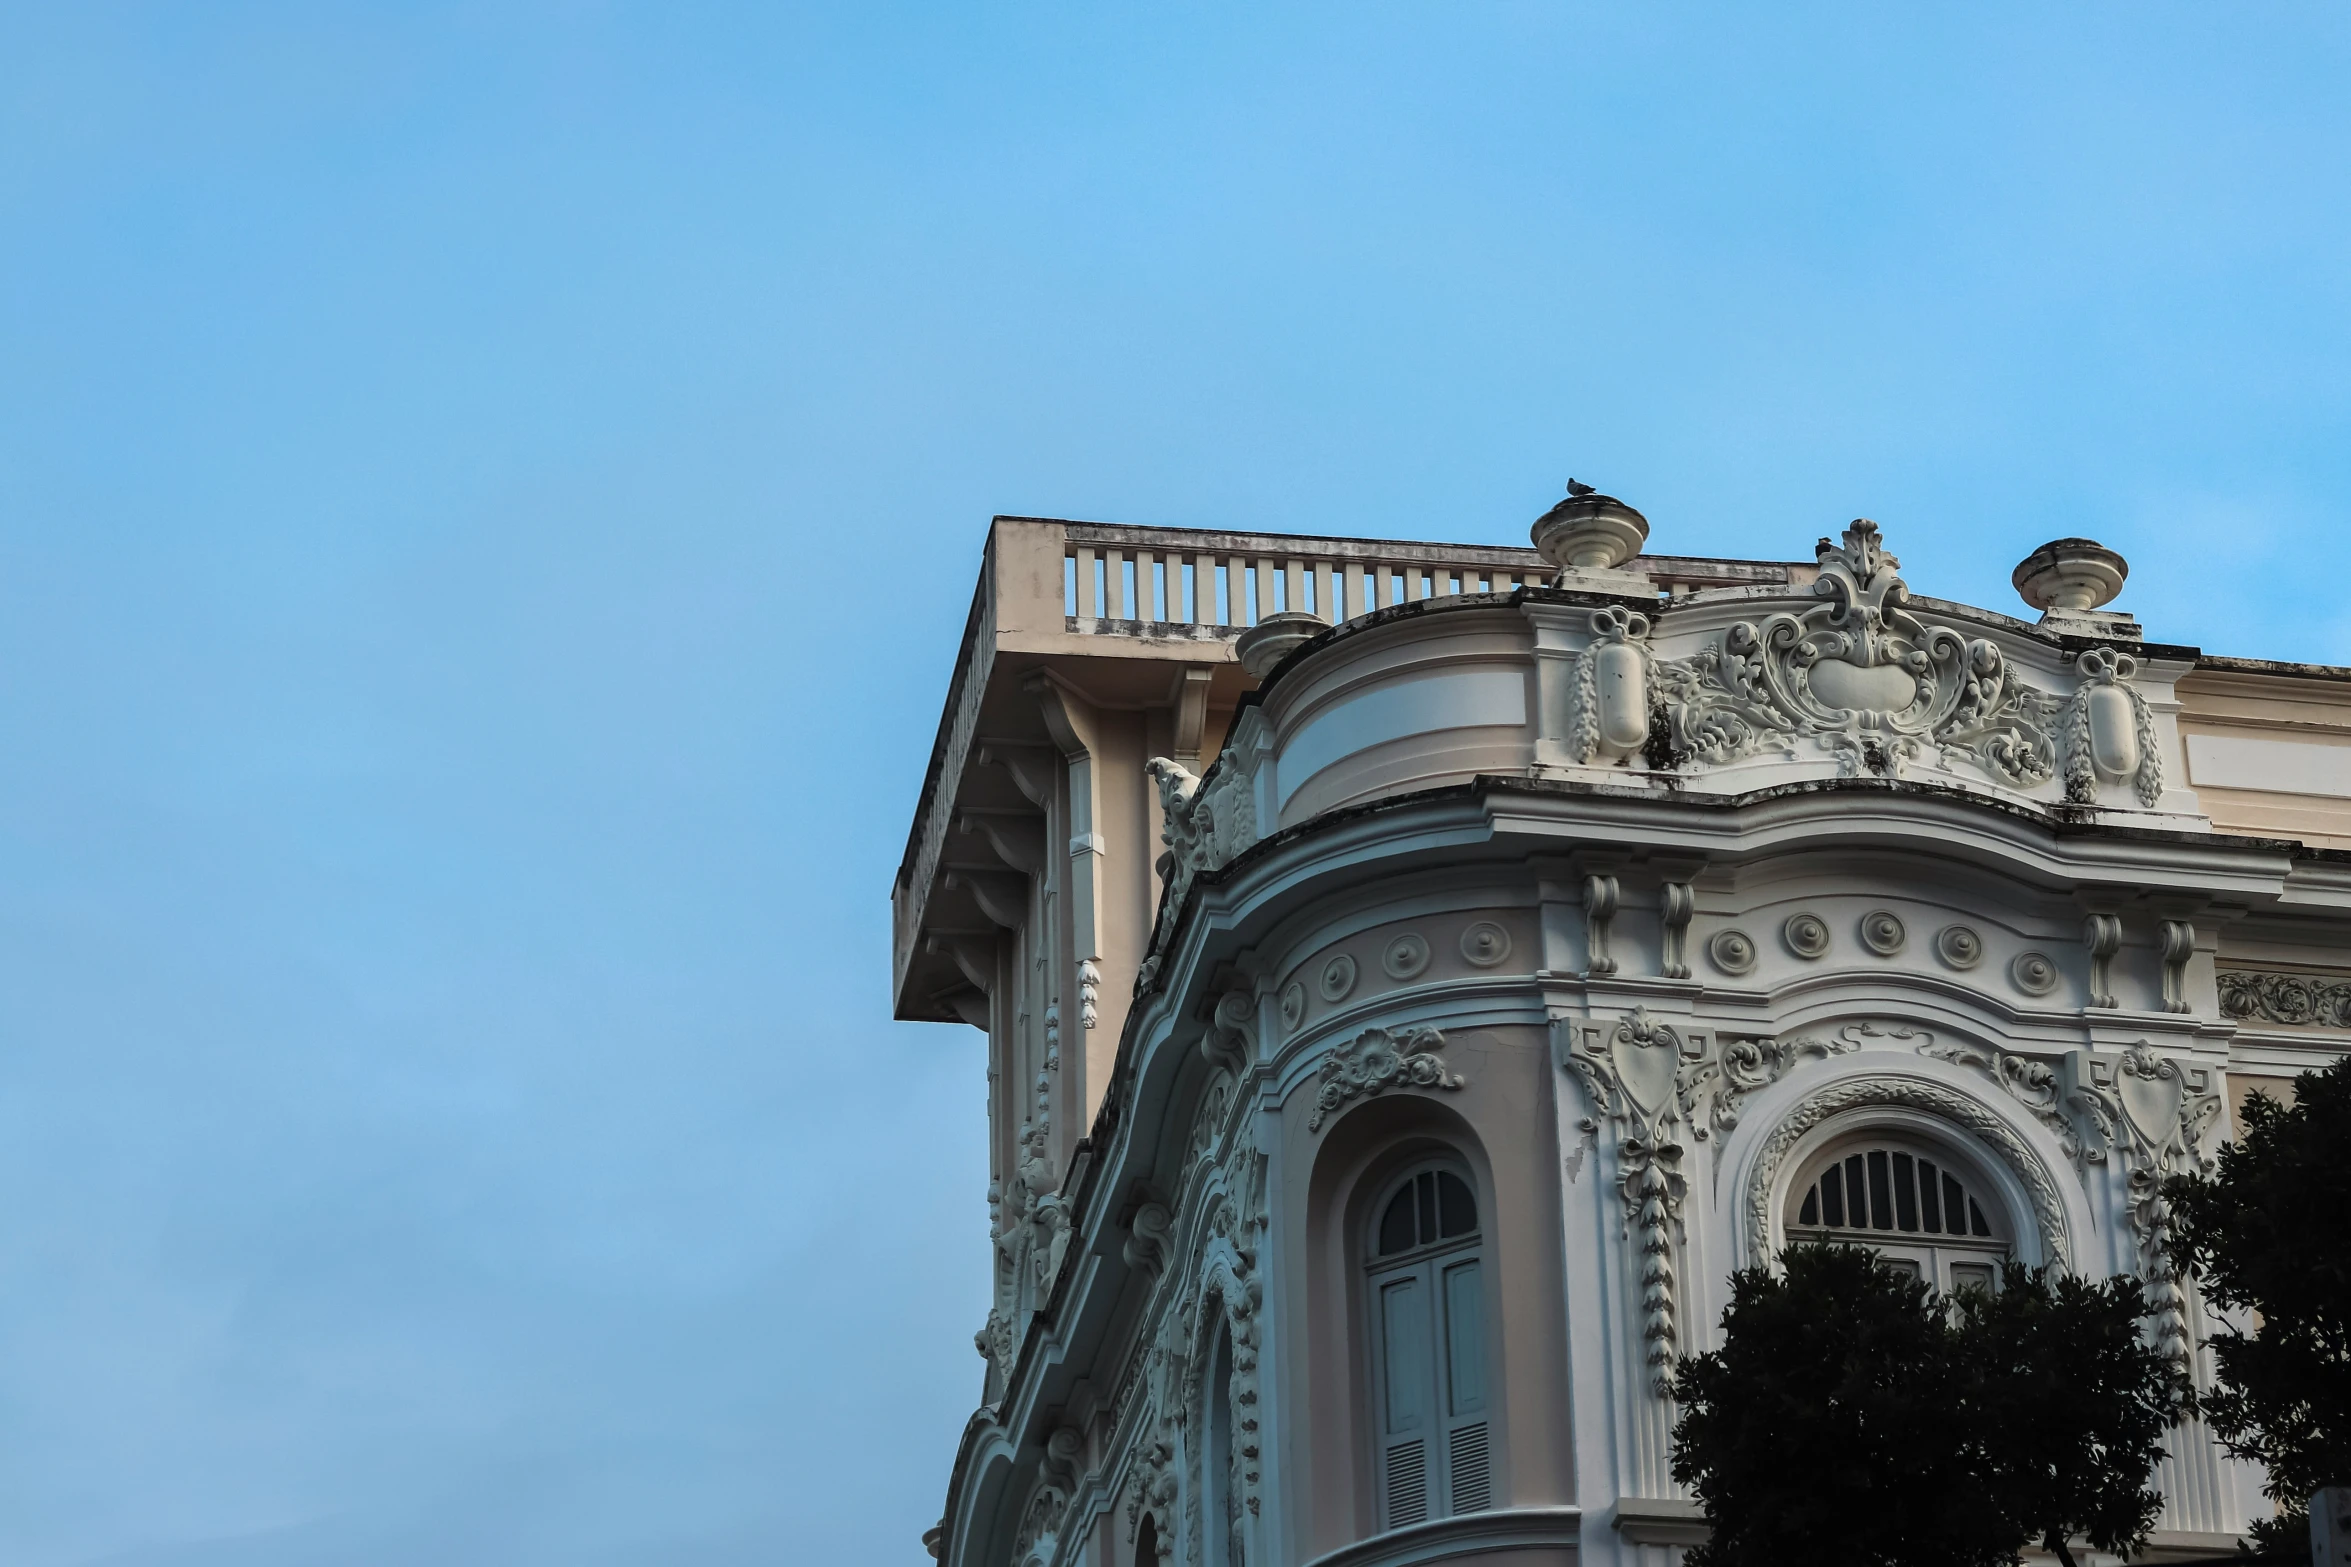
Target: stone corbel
{"type": "Point", "coordinates": [1149, 1231]}
{"type": "Point", "coordinates": [1003, 898]}
{"type": "Point", "coordinates": [1676, 903]}
{"type": "Point", "coordinates": [974, 953]}
{"type": "Point", "coordinates": [2102, 938]}
{"type": "Point", "coordinates": [1600, 901]}
{"type": "Point", "coordinates": [1030, 765]}
{"type": "Point", "coordinates": [2179, 945]}
{"type": "Point", "coordinates": [1016, 837]}
{"type": "Point", "coordinates": [970, 1005]}
{"type": "Point", "coordinates": [1231, 1037]}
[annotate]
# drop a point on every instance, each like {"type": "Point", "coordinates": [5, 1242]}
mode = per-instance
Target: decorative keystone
{"type": "Point", "coordinates": [1589, 532]}
{"type": "Point", "coordinates": [2068, 580]}
{"type": "Point", "coordinates": [1272, 639]}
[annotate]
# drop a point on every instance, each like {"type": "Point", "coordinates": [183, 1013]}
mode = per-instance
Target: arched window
{"type": "Point", "coordinates": [1917, 1205]}
{"type": "Point", "coordinates": [1428, 1334]}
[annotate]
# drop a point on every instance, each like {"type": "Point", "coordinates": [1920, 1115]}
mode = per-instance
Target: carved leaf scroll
{"type": "Point", "coordinates": [1862, 677]}
{"type": "Point", "coordinates": [1375, 1061]}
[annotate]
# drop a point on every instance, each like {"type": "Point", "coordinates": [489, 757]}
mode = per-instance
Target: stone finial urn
{"type": "Point", "coordinates": [1272, 639]}
{"type": "Point", "coordinates": [1588, 535]}
{"type": "Point", "coordinates": [2069, 581]}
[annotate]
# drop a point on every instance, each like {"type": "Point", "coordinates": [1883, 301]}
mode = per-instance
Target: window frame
{"type": "Point", "coordinates": [1934, 1256]}
{"type": "Point", "coordinates": [1459, 1446]}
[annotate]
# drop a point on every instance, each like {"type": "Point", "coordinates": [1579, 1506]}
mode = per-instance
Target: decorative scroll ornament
{"type": "Point", "coordinates": [1205, 822]}
{"type": "Point", "coordinates": [2156, 1110]}
{"type": "Point", "coordinates": [1377, 1060]}
{"type": "Point", "coordinates": [2110, 732]}
{"type": "Point", "coordinates": [1608, 701]}
{"type": "Point", "coordinates": [2034, 1084]}
{"type": "Point", "coordinates": [1752, 1065]}
{"type": "Point", "coordinates": [1862, 677]}
{"type": "Point", "coordinates": [1643, 1078]}
{"type": "Point", "coordinates": [2296, 1000]}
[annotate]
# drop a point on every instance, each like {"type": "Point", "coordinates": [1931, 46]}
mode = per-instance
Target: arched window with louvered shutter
{"type": "Point", "coordinates": [1922, 1207]}
{"type": "Point", "coordinates": [1429, 1373]}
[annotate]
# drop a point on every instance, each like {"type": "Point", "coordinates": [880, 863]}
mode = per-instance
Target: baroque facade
{"type": "Point", "coordinates": [1416, 976]}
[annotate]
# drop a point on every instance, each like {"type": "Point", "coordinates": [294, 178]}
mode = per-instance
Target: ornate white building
{"type": "Point", "coordinates": [1416, 976]}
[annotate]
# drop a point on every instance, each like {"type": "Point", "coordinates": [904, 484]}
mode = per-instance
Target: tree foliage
{"type": "Point", "coordinates": [1855, 1418]}
{"type": "Point", "coordinates": [2268, 1235]}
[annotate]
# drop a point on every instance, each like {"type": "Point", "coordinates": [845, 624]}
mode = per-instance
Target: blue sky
{"type": "Point", "coordinates": [488, 499]}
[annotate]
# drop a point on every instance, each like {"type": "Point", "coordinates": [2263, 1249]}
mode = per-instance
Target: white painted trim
{"type": "Point", "coordinates": [1464, 1534]}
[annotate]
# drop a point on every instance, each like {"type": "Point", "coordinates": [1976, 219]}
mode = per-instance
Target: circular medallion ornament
{"type": "Point", "coordinates": [1293, 1004]}
{"type": "Point", "coordinates": [1406, 956]}
{"type": "Point", "coordinates": [2034, 973]}
{"type": "Point", "coordinates": [1338, 978]}
{"type": "Point", "coordinates": [1959, 946]}
{"type": "Point", "coordinates": [1882, 932]}
{"type": "Point", "coordinates": [1485, 944]}
{"type": "Point", "coordinates": [1733, 951]}
{"type": "Point", "coordinates": [1807, 935]}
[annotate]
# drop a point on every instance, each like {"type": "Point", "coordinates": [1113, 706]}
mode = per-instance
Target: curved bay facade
{"type": "Point", "coordinates": [1416, 976]}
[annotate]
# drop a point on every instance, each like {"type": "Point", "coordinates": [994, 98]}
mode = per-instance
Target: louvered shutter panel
{"type": "Point", "coordinates": [1472, 1475]}
{"type": "Point", "coordinates": [1408, 1484]}
{"type": "Point", "coordinates": [1406, 1371]}
{"type": "Point", "coordinates": [1469, 1480]}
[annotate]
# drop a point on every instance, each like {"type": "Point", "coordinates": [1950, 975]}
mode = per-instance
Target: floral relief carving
{"type": "Point", "coordinates": [1608, 698]}
{"type": "Point", "coordinates": [2033, 1084]}
{"type": "Point", "coordinates": [2156, 1110]}
{"type": "Point", "coordinates": [1862, 677]}
{"type": "Point", "coordinates": [1375, 1061]}
{"type": "Point", "coordinates": [1751, 1065]}
{"type": "Point", "coordinates": [2109, 731]}
{"type": "Point", "coordinates": [2296, 1000]}
{"type": "Point", "coordinates": [1644, 1078]}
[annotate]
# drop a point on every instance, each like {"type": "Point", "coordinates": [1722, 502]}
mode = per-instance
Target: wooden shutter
{"type": "Point", "coordinates": [1406, 1396]}
{"type": "Point", "coordinates": [1469, 1480]}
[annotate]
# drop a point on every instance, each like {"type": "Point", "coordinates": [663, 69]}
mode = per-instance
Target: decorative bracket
{"type": "Point", "coordinates": [2102, 936]}
{"type": "Point", "coordinates": [1676, 904]}
{"type": "Point", "coordinates": [2179, 945]}
{"type": "Point", "coordinates": [1600, 898]}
